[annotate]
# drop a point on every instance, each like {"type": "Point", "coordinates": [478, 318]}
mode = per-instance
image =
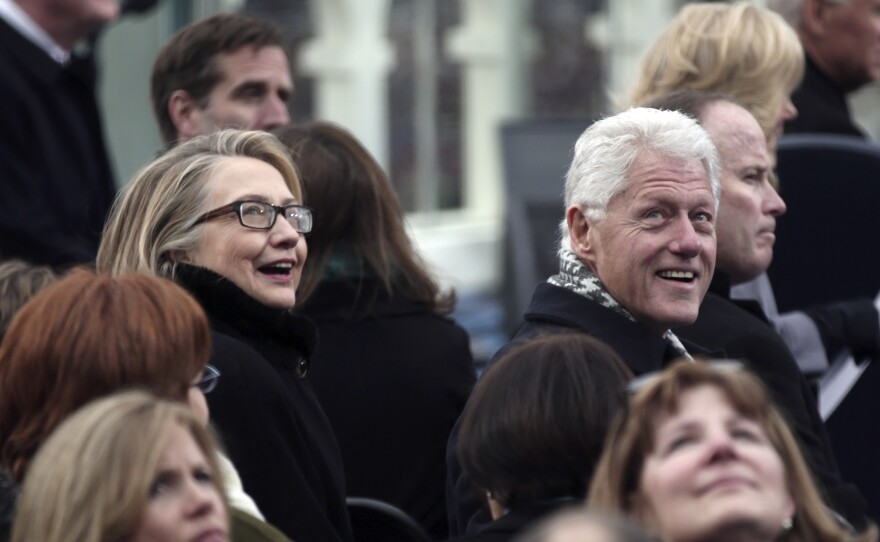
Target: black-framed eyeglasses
{"type": "Point", "coordinates": [209, 379]}
{"type": "Point", "coordinates": [261, 215]}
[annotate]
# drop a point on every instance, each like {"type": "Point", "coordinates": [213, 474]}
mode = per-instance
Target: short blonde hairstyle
{"type": "Point", "coordinates": [739, 49]}
{"type": "Point", "coordinates": [618, 474]}
{"type": "Point", "coordinates": [91, 480]}
{"type": "Point", "coordinates": [157, 212]}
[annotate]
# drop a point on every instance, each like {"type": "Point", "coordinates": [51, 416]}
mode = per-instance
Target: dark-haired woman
{"type": "Point", "coordinates": [392, 371]}
{"type": "Point", "coordinates": [534, 427]}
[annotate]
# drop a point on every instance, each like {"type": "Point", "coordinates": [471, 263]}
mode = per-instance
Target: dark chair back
{"type": "Point", "coordinates": [537, 153]}
{"type": "Point", "coordinates": [827, 249]}
{"type": "Point", "coordinates": [827, 246]}
{"type": "Point", "coordinates": [373, 520]}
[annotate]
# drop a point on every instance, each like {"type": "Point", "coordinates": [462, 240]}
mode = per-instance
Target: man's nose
{"type": "Point", "coordinates": [686, 242]}
{"type": "Point", "coordinates": [774, 205]}
{"type": "Point", "coordinates": [274, 113]}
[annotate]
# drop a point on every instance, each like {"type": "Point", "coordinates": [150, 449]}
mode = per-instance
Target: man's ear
{"type": "Point", "coordinates": [582, 234]}
{"type": "Point", "coordinates": [180, 256]}
{"type": "Point", "coordinates": [814, 15]}
{"type": "Point", "coordinates": [184, 113]}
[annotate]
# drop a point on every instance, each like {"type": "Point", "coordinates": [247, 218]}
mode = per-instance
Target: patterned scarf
{"type": "Point", "coordinates": [574, 276]}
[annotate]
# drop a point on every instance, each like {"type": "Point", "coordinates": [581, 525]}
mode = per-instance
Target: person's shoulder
{"type": "Point", "coordinates": [720, 317]}
{"type": "Point", "coordinates": [724, 324]}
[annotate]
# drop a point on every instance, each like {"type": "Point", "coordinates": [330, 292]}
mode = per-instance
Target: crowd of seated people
{"type": "Point", "coordinates": [256, 338]}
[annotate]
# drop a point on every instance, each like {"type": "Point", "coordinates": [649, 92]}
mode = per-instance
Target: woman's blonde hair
{"type": "Point", "coordinates": [91, 480]}
{"type": "Point", "coordinates": [739, 49]}
{"type": "Point", "coordinates": [618, 474]}
{"type": "Point", "coordinates": [157, 213]}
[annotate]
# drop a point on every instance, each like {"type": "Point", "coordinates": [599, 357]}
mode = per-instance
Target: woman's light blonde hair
{"type": "Point", "coordinates": [739, 49]}
{"type": "Point", "coordinates": [157, 213]}
{"type": "Point", "coordinates": [91, 480]}
{"type": "Point", "coordinates": [618, 475]}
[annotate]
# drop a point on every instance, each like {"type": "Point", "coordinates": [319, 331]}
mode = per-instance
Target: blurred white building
{"type": "Point", "coordinates": [425, 84]}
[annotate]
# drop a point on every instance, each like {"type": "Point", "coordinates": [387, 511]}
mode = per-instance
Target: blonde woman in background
{"type": "Point", "coordinates": [739, 49]}
{"type": "Point", "coordinates": [127, 467]}
{"type": "Point", "coordinates": [753, 55]}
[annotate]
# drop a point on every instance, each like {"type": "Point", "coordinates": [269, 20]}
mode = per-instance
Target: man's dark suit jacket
{"type": "Point", "coordinates": [55, 180]}
{"type": "Point", "coordinates": [821, 105]}
{"type": "Point", "coordinates": [557, 310]}
{"type": "Point", "coordinates": [740, 329]}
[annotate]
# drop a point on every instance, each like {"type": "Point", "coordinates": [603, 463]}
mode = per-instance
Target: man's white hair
{"type": "Point", "coordinates": [606, 150]}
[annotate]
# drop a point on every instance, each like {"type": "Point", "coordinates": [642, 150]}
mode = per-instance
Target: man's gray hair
{"type": "Point", "coordinates": [606, 150]}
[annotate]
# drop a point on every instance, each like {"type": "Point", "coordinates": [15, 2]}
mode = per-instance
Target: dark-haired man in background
{"type": "Point", "coordinates": [227, 71]}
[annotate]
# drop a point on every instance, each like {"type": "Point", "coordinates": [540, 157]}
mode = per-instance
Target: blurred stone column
{"type": "Point", "coordinates": [493, 45]}
{"type": "Point", "coordinates": [632, 26]}
{"type": "Point", "coordinates": [350, 58]}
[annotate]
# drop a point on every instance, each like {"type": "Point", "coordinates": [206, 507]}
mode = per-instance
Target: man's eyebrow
{"type": "Point", "coordinates": [247, 86]}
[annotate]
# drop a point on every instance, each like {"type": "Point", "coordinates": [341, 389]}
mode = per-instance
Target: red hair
{"type": "Point", "coordinates": [88, 336]}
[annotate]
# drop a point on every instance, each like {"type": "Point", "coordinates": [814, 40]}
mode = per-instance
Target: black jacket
{"type": "Point", "coordinates": [9, 491]}
{"type": "Point", "coordinates": [556, 310]}
{"type": "Point", "coordinates": [514, 522]}
{"type": "Point", "coordinates": [55, 181]}
{"type": "Point", "coordinates": [821, 105]}
{"type": "Point", "coordinates": [740, 329]}
{"type": "Point", "coordinates": [271, 423]}
{"type": "Point", "coordinates": [392, 377]}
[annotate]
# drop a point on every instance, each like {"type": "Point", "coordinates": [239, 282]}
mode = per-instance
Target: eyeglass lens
{"type": "Point", "coordinates": [257, 214]}
{"type": "Point", "coordinates": [209, 379]}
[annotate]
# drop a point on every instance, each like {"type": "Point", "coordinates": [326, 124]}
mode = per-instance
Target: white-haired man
{"type": "Point", "coordinates": [637, 251]}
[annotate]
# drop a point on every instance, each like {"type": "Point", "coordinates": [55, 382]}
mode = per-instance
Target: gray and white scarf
{"type": "Point", "coordinates": [574, 276]}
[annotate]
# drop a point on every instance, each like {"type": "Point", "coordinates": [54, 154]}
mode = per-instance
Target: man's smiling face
{"type": "Point", "coordinates": [654, 249]}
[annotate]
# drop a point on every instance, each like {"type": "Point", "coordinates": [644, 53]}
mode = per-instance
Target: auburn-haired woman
{"type": "Point", "coordinates": [701, 454]}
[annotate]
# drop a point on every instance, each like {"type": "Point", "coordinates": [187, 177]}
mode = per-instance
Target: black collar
{"type": "Point", "coordinates": [228, 305]}
{"type": "Point", "coordinates": [642, 350]}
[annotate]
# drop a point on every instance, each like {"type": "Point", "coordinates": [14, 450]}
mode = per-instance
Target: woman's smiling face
{"type": "Point", "coordinates": [266, 264]}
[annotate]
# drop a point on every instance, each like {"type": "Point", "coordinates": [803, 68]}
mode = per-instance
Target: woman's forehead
{"type": "Point", "coordinates": [238, 178]}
